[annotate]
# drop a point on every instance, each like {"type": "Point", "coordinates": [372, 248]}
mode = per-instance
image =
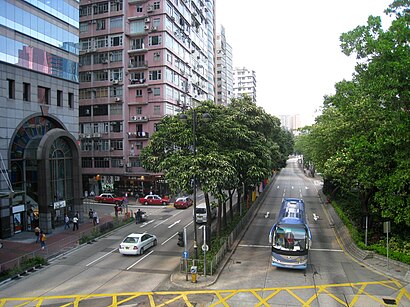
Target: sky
{"type": "Point", "coordinates": [294, 47]}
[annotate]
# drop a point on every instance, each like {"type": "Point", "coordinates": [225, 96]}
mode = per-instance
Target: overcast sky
{"type": "Point", "coordinates": [294, 47]}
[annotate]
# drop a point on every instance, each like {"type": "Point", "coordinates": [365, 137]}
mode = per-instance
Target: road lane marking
{"type": "Point", "coordinates": [169, 238]}
{"type": "Point", "coordinates": [139, 260]}
{"type": "Point", "coordinates": [101, 257]}
{"type": "Point", "coordinates": [175, 223]}
{"type": "Point", "coordinates": [168, 219]}
{"type": "Point", "coordinates": [326, 250]}
{"type": "Point", "coordinates": [147, 223]}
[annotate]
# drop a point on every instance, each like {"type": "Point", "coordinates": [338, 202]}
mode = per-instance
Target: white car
{"type": "Point", "coordinates": [137, 243]}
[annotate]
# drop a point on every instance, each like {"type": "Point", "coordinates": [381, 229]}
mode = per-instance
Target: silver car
{"type": "Point", "coordinates": [137, 243]}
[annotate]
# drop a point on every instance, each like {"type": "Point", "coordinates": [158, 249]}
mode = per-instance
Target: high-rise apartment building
{"type": "Point", "coordinates": [244, 83]}
{"type": "Point", "coordinates": [224, 69]}
{"type": "Point", "coordinates": [140, 60]}
{"type": "Point", "coordinates": [290, 122]}
{"type": "Point", "coordinates": [39, 155]}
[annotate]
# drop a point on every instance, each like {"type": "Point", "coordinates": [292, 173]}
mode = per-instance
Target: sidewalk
{"type": "Point", "coordinates": [22, 245]}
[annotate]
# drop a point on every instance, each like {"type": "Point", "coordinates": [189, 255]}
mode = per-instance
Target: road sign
{"type": "Point", "coordinates": [185, 254]}
{"type": "Point", "coordinates": [205, 248]}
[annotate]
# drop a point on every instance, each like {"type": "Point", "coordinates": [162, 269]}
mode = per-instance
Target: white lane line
{"type": "Point", "coordinates": [101, 257]}
{"type": "Point", "coordinates": [251, 245]}
{"type": "Point", "coordinates": [169, 238]}
{"type": "Point", "coordinates": [139, 260]}
{"type": "Point", "coordinates": [326, 250]}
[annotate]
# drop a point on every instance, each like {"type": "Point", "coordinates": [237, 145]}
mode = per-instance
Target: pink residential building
{"type": "Point", "coordinates": [139, 61]}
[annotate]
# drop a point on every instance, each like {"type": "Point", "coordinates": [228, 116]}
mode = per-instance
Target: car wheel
{"type": "Point", "coordinates": [142, 251]}
{"type": "Point", "coordinates": [164, 203]}
{"type": "Point", "coordinates": [154, 243]}
{"type": "Point", "coordinates": [146, 203]}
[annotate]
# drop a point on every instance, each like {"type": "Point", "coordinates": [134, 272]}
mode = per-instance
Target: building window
{"type": "Point", "coordinates": [11, 87]}
{"type": "Point", "coordinates": [116, 23]}
{"type": "Point", "coordinates": [157, 110]}
{"type": "Point", "coordinates": [155, 75]}
{"type": "Point", "coordinates": [71, 100]}
{"type": "Point", "coordinates": [101, 162]}
{"type": "Point", "coordinates": [139, 110]}
{"type": "Point", "coordinates": [101, 42]}
{"type": "Point", "coordinates": [100, 110]}
{"type": "Point", "coordinates": [139, 9]}
{"type": "Point", "coordinates": [157, 91]}
{"type": "Point", "coordinates": [59, 98]}
{"type": "Point", "coordinates": [116, 40]}
{"type": "Point", "coordinates": [138, 93]}
{"type": "Point", "coordinates": [43, 94]}
{"type": "Point", "coordinates": [26, 91]}
{"type": "Point", "coordinates": [100, 24]}
{"type": "Point", "coordinates": [86, 162]}
{"type": "Point", "coordinates": [155, 40]}
{"type": "Point", "coordinates": [156, 5]}
{"type": "Point", "coordinates": [116, 56]}
{"type": "Point", "coordinates": [157, 56]}
{"type": "Point", "coordinates": [116, 6]}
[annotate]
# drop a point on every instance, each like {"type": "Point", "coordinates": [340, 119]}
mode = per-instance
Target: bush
{"type": "Point", "coordinates": [26, 264]}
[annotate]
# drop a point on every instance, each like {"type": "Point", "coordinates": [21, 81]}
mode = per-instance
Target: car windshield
{"type": "Point", "coordinates": [131, 240]}
{"type": "Point", "coordinates": [181, 199]}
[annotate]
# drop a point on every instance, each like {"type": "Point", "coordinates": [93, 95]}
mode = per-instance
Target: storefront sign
{"type": "Point", "coordinates": [59, 204]}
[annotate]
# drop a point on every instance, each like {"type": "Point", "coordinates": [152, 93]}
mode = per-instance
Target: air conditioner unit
{"type": "Point", "coordinates": [134, 117]}
{"type": "Point", "coordinates": [129, 164]}
{"type": "Point", "coordinates": [94, 21]}
{"type": "Point", "coordinates": [154, 28]}
{"type": "Point", "coordinates": [150, 8]}
{"type": "Point", "coordinates": [81, 135]}
{"type": "Point", "coordinates": [121, 163]}
{"type": "Point", "coordinates": [147, 19]}
{"type": "Point", "coordinates": [117, 99]}
{"type": "Point", "coordinates": [105, 61]}
{"type": "Point", "coordinates": [115, 81]}
{"type": "Point", "coordinates": [96, 135]}
{"type": "Point", "coordinates": [146, 27]}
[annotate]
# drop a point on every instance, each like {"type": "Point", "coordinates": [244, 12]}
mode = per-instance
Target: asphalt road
{"type": "Point", "coordinates": [97, 275]}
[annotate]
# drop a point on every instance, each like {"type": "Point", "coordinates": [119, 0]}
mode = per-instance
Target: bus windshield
{"type": "Point", "coordinates": [290, 238]}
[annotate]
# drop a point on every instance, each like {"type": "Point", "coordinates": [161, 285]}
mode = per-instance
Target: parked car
{"type": "Point", "coordinates": [137, 243]}
{"type": "Point", "coordinates": [183, 202]}
{"type": "Point", "coordinates": [109, 198]}
{"type": "Point", "coordinates": [153, 200]}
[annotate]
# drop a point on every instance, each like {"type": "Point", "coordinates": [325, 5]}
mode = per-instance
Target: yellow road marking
{"type": "Point", "coordinates": [222, 297]}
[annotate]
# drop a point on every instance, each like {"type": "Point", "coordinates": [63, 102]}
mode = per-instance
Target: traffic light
{"type": "Point", "coordinates": [181, 239]}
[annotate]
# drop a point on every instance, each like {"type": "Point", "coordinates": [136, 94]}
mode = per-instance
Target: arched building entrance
{"type": "Point", "coordinates": [45, 176]}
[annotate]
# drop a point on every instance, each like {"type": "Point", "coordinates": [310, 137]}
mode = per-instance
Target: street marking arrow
{"type": "Point", "coordinates": [172, 225]}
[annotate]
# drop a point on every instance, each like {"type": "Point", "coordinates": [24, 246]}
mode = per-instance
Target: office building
{"type": "Point", "coordinates": [139, 61]}
{"type": "Point", "coordinates": [39, 155]}
{"type": "Point", "coordinates": [244, 83]}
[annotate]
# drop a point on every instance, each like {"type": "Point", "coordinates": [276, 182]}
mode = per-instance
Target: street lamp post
{"type": "Point", "coordinates": [183, 117]}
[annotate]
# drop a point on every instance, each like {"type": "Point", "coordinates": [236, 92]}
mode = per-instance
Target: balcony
{"type": "Point", "coordinates": [133, 65]}
{"type": "Point", "coordinates": [139, 119]}
{"type": "Point", "coordinates": [140, 135]}
{"type": "Point", "coordinates": [138, 83]}
{"type": "Point", "coordinates": [137, 49]}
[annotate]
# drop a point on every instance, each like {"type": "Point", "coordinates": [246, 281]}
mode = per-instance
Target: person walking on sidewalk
{"type": "Point", "coordinates": [42, 240]}
{"type": "Point", "coordinates": [37, 233]}
{"type": "Point", "coordinates": [66, 222]}
{"type": "Point", "coordinates": [75, 222]}
{"type": "Point", "coordinates": [95, 218]}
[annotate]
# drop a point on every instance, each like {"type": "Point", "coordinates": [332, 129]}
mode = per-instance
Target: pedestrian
{"type": "Point", "coordinates": [37, 233]}
{"type": "Point", "coordinates": [116, 210]}
{"type": "Point", "coordinates": [75, 222]}
{"type": "Point", "coordinates": [42, 240]}
{"type": "Point", "coordinates": [90, 214]}
{"type": "Point", "coordinates": [66, 222]}
{"type": "Point", "coordinates": [95, 218]}
{"type": "Point", "coordinates": [138, 216]}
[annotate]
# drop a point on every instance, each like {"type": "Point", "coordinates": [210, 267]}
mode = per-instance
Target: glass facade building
{"type": "Point", "coordinates": [38, 114]}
